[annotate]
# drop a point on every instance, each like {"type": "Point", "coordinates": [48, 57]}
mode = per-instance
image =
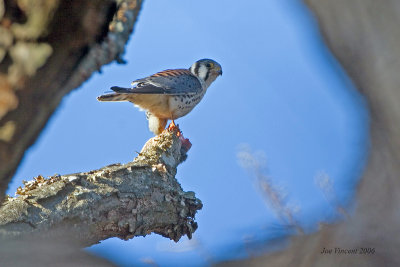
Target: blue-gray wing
{"type": "Point", "coordinates": [170, 82]}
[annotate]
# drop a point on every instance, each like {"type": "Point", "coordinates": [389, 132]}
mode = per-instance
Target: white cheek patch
{"type": "Point", "coordinates": [203, 72]}
{"type": "Point", "coordinates": [192, 68]}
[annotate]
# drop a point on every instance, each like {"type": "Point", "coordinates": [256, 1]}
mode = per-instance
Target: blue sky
{"type": "Point", "coordinates": [282, 94]}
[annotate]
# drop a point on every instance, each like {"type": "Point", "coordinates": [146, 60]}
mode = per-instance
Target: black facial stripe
{"type": "Point", "coordinates": [196, 69]}
{"type": "Point", "coordinates": [208, 72]}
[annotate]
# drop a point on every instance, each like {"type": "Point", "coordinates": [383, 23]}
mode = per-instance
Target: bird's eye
{"type": "Point", "coordinates": [209, 65]}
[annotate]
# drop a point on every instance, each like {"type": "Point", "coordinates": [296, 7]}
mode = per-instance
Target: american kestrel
{"type": "Point", "coordinates": [169, 94]}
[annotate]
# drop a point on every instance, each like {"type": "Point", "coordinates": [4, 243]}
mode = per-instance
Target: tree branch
{"type": "Point", "coordinates": [122, 201]}
{"type": "Point", "coordinates": [47, 49]}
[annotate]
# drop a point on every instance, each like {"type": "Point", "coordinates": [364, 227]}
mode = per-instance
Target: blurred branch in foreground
{"type": "Point", "coordinates": [325, 183]}
{"type": "Point", "coordinates": [364, 35]}
{"type": "Point", "coordinates": [255, 162]}
{"type": "Point", "coordinates": [47, 49]}
{"type": "Point", "coordinates": [123, 201]}
{"type": "Point", "coordinates": [41, 252]}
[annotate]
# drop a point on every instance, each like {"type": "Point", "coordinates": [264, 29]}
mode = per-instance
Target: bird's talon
{"type": "Point", "coordinates": [174, 128]}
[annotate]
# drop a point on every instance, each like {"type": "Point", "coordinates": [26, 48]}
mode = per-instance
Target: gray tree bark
{"type": "Point", "coordinates": [124, 201]}
{"type": "Point", "coordinates": [364, 35]}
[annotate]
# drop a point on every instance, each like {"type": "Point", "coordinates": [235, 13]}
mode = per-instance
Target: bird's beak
{"type": "Point", "coordinates": [220, 72]}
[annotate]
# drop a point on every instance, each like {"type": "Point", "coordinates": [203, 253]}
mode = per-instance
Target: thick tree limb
{"type": "Point", "coordinates": [128, 200]}
{"type": "Point", "coordinates": [48, 48]}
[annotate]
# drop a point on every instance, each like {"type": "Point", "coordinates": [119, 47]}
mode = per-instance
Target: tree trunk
{"type": "Point", "coordinates": [47, 49]}
{"type": "Point", "coordinates": [364, 35]}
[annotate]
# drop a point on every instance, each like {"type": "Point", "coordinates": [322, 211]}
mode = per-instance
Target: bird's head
{"type": "Point", "coordinates": [207, 70]}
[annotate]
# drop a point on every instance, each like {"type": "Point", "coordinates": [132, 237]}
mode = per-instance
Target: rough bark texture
{"type": "Point", "coordinates": [48, 48]}
{"type": "Point", "coordinates": [124, 201]}
{"type": "Point", "coordinates": [364, 35]}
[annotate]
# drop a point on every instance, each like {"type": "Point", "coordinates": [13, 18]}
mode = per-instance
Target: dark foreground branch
{"type": "Point", "coordinates": [122, 201]}
{"type": "Point", "coordinates": [364, 36]}
{"type": "Point", "coordinates": [47, 49]}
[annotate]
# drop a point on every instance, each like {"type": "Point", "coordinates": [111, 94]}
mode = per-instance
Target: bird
{"type": "Point", "coordinates": [168, 94]}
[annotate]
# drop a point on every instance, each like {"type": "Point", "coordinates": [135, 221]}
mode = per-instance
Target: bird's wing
{"type": "Point", "coordinates": [169, 82]}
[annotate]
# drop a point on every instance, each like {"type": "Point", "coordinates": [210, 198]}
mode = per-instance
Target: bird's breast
{"type": "Point", "coordinates": [180, 105]}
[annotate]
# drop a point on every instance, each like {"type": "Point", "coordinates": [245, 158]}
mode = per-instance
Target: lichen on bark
{"type": "Point", "coordinates": [120, 200]}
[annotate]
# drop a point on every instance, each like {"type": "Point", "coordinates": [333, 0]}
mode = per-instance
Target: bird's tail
{"type": "Point", "coordinates": [121, 94]}
{"type": "Point", "coordinates": [121, 90]}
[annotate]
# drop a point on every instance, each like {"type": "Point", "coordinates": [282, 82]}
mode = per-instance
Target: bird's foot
{"type": "Point", "coordinates": [174, 128]}
{"type": "Point", "coordinates": [186, 145]}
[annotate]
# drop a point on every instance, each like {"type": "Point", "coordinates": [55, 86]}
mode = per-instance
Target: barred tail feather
{"type": "Point", "coordinates": [121, 94]}
{"type": "Point", "coordinates": [113, 97]}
